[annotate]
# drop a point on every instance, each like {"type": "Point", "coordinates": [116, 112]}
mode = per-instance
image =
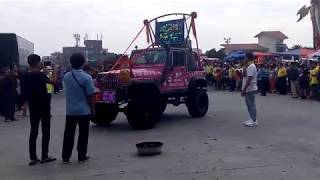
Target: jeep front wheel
{"type": "Point", "coordinates": [144, 110]}
{"type": "Point", "coordinates": [105, 114]}
{"type": "Point", "coordinates": [163, 104]}
{"type": "Point", "coordinates": [198, 103]}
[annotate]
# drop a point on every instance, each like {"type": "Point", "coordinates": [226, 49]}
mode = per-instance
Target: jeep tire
{"type": "Point", "coordinates": [163, 104]}
{"type": "Point", "coordinates": [197, 103]}
{"type": "Point", "coordinates": [144, 110]}
{"type": "Point", "coordinates": [105, 114]}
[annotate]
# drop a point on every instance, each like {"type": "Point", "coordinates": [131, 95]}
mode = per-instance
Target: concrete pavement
{"type": "Point", "coordinates": [286, 145]}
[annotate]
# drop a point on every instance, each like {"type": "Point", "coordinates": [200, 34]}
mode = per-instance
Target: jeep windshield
{"type": "Point", "coordinates": [149, 57]}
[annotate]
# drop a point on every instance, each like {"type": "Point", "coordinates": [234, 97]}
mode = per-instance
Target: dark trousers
{"type": "Point", "coordinates": [1, 105]}
{"type": "Point", "coordinates": [315, 91]}
{"type": "Point", "coordinates": [9, 106]}
{"type": "Point", "coordinates": [68, 139]}
{"type": "Point", "coordinates": [225, 82]}
{"type": "Point", "coordinates": [37, 115]}
{"type": "Point", "coordinates": [264, 86]}
{"type": "Point", "coordinates": [209, 78]}
{"type": "Point", "coordinates": [233, 84]}
{"type": "Point", "coordinates": [282, 85]}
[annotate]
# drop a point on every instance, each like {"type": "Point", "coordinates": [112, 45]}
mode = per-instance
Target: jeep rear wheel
{"type": "Point", "coordinates": [105, 114]}
{"type": "Point", "coordinates": [144, 110]}
{"type": "Point", "coordinates": [198, 103]}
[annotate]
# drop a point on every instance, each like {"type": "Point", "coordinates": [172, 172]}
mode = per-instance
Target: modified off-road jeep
{"type": "Point", "coordinates": [167, 72]}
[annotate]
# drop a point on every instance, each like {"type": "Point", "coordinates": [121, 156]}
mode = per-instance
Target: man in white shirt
{"type": "Point", "coordinates": [249, 89]}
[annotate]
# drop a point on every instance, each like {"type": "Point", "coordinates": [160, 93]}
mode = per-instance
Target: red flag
{"type": "Point", "coordinates": [148, 33]}
{"type": "Point", "coordinates": [193, 25]}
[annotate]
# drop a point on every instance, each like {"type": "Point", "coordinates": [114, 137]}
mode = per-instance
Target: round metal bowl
{"type": "Point", "coordinates": [149, 148]}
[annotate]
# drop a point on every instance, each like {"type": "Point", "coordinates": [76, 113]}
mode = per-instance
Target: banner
{"type": "Point", "coordinates": [170, 32]}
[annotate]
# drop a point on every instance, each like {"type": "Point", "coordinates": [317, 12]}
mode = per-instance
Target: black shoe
{"type": "Point", "coordinates": [13, 119]}
{"type": "Point", "coordinates": [84, 160]}
{"type": "Point", "coordinates": [48, 159]}
{"type": "Point", "coordinates": [33, 162]}
{"type": "Point", "coordinates": [66, 162]}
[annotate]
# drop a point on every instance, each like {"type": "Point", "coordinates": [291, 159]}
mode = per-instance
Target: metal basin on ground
{"type": "Point", "coordinates": [149, 148]}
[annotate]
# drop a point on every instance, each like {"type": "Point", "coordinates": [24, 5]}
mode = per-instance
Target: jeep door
{"type": "Point", "coordinates": [178, 76]}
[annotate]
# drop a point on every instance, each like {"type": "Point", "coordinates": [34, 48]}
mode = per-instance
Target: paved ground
{"type": "Point", "coordinates": [286, 145]}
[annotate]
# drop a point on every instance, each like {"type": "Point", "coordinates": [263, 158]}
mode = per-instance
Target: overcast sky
{"type": "Point", "coordinates": [50, 24]}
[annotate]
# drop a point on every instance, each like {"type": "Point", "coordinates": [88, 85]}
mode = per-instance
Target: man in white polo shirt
{"type": "Point", "coordinates": [249, 89]}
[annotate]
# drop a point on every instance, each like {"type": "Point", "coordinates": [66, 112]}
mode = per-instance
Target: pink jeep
{"type": "Point", "coordinates": [141, 86]}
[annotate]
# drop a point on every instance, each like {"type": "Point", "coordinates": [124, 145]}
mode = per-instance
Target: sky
{"type": "Point", "coordinates": [50, 25]}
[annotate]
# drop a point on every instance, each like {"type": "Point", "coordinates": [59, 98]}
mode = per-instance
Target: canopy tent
{"type": "Point", "coordinates": [235, 56]}
{"type": "Point", "coordinates": [296, 54]}
{"type": "Point", "coordinates": [262, 54]}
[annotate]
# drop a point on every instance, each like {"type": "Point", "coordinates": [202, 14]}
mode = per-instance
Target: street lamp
{"type": "Point", "coordinates": [227, 40]}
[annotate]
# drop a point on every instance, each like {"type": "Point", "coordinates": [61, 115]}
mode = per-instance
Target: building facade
{"type": "Point", "coordinates": [268, 41]}
{"type": "Point", "coordinates": [273, 40]}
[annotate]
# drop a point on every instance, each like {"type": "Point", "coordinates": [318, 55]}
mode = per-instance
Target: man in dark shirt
{"type": "Point", "coordinates": [34, 91]}
{"type": "Point", "coordinates": [293, 75]}
{"type": "Point", "coordinates": [1, 96]}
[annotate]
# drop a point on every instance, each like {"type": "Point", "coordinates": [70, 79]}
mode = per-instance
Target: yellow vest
{"type": "Point", "coordinates": [282, 72]}
{"type": "Point", "coordinates": [232, 72]}
{"type": "Point", "coordinates": [313, 76]}
{"type": "Point", "coordinates": [49, 85]}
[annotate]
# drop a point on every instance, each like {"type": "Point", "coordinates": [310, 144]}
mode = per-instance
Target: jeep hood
{"type": "Point", "coordinates": [141, 73]}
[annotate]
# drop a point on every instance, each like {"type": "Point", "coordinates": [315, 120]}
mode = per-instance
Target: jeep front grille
{"type": "Point", "coordinates": [106, 82]}
{"type": "Point", "coordinates": [112, 83]}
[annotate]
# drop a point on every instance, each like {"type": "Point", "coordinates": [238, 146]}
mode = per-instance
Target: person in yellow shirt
{"type": "Point", "coordinates": [232, 75]}
{"type": "Point", "coordinates": [209, 76]}
{"type": "Point", "coordinates": [214, 72]}
{"type": "Point", "coordinates": [282, 80]}
{"type": "Point", "coordinates": [314, 81]}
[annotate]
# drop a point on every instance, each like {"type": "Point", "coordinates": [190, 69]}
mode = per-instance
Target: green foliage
{"type": "Point", "coordinates": [213, 53]}
{"type": "Point", "coordinates": [297, 46]}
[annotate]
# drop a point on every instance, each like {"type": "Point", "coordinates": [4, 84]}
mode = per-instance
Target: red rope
{"type": "Point", "coordinates": [134, 39]}
{"type": "Point", "coordinates": [119, 60]}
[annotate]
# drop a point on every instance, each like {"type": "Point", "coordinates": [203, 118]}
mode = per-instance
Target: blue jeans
{"type": "Point", "coordinates": [251, 104]}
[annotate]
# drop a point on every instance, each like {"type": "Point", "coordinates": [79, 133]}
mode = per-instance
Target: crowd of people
{"type": "Point", "coordinates": [11, 100]}
{"type": "Point", "coordinates": [299, 79]}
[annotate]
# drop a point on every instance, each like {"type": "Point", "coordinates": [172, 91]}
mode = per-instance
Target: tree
{"type": "Point", "coordinates": [213, 53]}
{"type": "Point", "coordinates": [297, 46]}
{"type": "Point", "coordinates": [57, 58]}
{"type": "Point", "coordinates": [221, 54]}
